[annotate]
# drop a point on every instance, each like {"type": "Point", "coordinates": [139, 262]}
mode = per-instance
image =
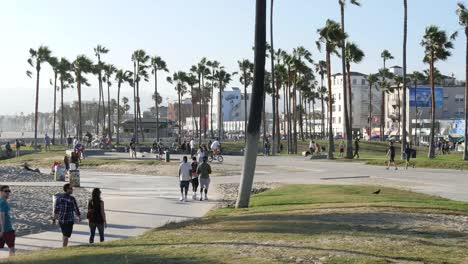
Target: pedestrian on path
{"type": "Point", "coordinates": [408, 153]}
{"type": "Point", "coordinates": [7, 234]}
{"type": "Point", "coordinates": [18, 147]}
{"type": "Point", "coordinates": [341, 149]}
{"type": "Point", "coordinates": [391, 155]}
{"type": "Point", "coordinates": [47, 142]}
{"type": "Point", "coordinates": [356, 148]}
{"type": "Point", "coordinates": [64, 211]}
{"type": "Point", "coordinates": [185, 176]}
{"type": "Point", "coordinates": [204, 171]}
{"type": "Point", "coordinates": [96, 216]}
{"type": "Point", "coordinates": [195, 182]}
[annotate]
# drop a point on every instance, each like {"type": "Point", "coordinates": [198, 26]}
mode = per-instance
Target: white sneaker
{"type": "Point", "coordinates": [194, 196]}
{"type": "Point", "coordinates": [181, 198]}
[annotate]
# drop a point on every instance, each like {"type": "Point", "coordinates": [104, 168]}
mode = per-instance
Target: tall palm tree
{"type": "Point", "coordinates": [321, 68]}
{"type": "Point", "coordinates": [437, 47]}
{"type": "Point", "coordinates": [140, 60]}
{"type": "Point", "coordinates": [353, 54]}
{"type": "Point", "coordinates": [191, 80]}
{"type": "Point", "coordinates": [214, 65]}
{"type": "Point", "coordinates": [348, 125]}
{"type": "Point", "coordinates": [253, 130]}
{"type": "Point", "coordinates": [202, 71]}
{"type": "Point", "coordinates": [275, 97]}
{"type": "Point", "coordinates": [98, 68]}
{"type": "Point", "coordinates": [398, 82]}
{"type": "Point", "coordinates": [54, 63]}
{"type": "Point", "coordinates": [246, 69]}
{"type": "Point", "coordinates": [179, 79]}
{"type": "Point", "coordinates": [37, 57]}
{"type": "Point", "coordinates": [66, 80]}
{"type": "Point", "coordinates": [385, 55]}
{"type": "Point", "coordinates": [332, 37]}
{"type": "Point", "coordinates": [371, 79]}
{"type": "Point", "coordinates": [416, 77]}
{"type": "Point", "coordinates": [463, 20]}
{"type": "Point", "coordinates": [80, 66]}
{"type": "Point", "coordinates": [109, 70]}
{"type": "Point", "coordinates": [405, 37]}
{"type": "Point", "coordinates": [157, 64]}
{"type": "Point", "coordinates": [121, 77]}
{"type": "Point", "coordinates": [223, 78]}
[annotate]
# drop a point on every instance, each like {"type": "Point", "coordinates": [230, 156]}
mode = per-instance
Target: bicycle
{"type": "Point", "coordinates": [217, 157]}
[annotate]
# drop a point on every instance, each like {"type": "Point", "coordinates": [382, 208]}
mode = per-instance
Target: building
{"type": "Point", "coordinates": [233, 109]}
{"type": "Point", "coordinates": [166, 128]}
{"type": "Point", "coordinates": [360, 105]}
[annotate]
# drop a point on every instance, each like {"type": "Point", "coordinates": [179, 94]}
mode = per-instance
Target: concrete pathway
{"type": "Point", "coordinates": [134, 204]}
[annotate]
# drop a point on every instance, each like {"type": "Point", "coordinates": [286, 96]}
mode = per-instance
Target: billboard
{"type": "Point", "coordinates": [423, 96]}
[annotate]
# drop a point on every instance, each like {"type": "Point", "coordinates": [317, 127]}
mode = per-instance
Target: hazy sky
{"type": "Point", "coordinates": [184, 31]}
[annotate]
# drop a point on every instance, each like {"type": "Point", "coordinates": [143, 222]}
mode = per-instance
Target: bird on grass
{"type": "Point", "coordinates": [377, 192]}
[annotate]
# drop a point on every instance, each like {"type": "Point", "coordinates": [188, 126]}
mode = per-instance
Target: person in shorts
{"type": "Point", "coordinates": [391, 155]}
{"type": "Point", "coordinates": [341, 149]}
{"type": "Point", "coordinates": [204, 171]}
{"type": "Point", "coordinates": [7, 234]}
{"type": "Point", "coordinates": [185, 176]}
{"type": "Point", "coordinates": [215, 147]}
{"type": "Point", "coordinates": [64, 211]}
{"type": "Point", "coordinates": [195, 182]}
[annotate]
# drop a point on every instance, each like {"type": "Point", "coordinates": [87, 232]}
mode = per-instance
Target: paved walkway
{"type": "Point", "coordinates": [134, 205]}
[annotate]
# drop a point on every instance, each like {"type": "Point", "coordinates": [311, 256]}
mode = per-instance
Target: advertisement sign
{"type": "Point", "coordinates": [423, 97]}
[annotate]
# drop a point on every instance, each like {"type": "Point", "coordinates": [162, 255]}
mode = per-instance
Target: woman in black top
{"type": "Point", "coordinates": [96, 215]}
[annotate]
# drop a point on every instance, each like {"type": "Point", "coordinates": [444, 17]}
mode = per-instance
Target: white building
{"type": "Point", "coordinates": [233, 109]}
{"type": "Point", "coordinates": [360, 104]}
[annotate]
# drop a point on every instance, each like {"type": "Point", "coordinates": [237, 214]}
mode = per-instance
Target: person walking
{"type": "Point", "coordinates": [200, 154]}
{"type": "Point", "coordinates": [356, 148]}
{"type": "Point", "coordinates": [132, 149]}
{"type": "Point", "coordinates": [64, 211]}
{"type": "Point", "coordinates": [266, 148]}
{"type": "Point", "coordinates": [341, 147]}
{"type": "Point", "coordinates": [391, 155]}
{"type": "Point", "coordinates": [195, 181]}
{"type": "Point", "coordinates": [47, 142]}
{"type": "Point", "coordinates": [7, 234]}
{"type": "Point", "coordinates": [192, 147]}
{"type": "Point", "coordinates": [69, 142]}
{"type": "Point", "coordinates": [408, 154]}
{"type": "Point", "coordinates": [18, 148]}
{"type": "Point", "coordinates": [204, 171]}
{"type": "Point", "coordinates": [96, 216]}
{"type": "Point", "coordinates": [185, 176]}
{"type": "Point", "coordinates": [312, 147]}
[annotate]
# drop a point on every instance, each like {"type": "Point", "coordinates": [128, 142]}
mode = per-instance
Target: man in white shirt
{"type": "Point", "coordinates": [215, 147]}
{"type": "Point", "coordinates": [192, 147]}
{"type": "Point", "coordinates": [185, 176]}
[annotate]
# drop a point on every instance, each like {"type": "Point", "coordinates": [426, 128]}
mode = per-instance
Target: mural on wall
{"type": "Point", "coordinates": [423, 97]}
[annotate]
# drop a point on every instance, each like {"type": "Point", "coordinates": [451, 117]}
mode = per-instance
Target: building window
{"type": "Point", "coordinates": [363, 82]}
{"type": "Point", "coordinates": [354, 81]}
{"type": "Point", "coordinates": [339, 108]}
{"type": "Point", "coordinates": [334, 108]}
{"type": "Point", "coordinates": [339, 96]}
{"type": "Point", "coordinates": [339, 120]}
{"type": "Point", "coordinates": [459, 98]}
{"type": "Point", "coordinates": [333, 120]}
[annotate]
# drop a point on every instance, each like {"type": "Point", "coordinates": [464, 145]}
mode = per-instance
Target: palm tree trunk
{"type": "Point", "coordinates": [103, 109]}
{"type": "Point", "coordinates": [118, 114]}
{"type": "Point", "coordinates": [180, 118]}
{"type": "Point", "coordinates": [211, 108]}
{"type": "Point", "coordinates": [330, 108]}
{"type": "Point", "coordinates": [55, 108]}
{"type": "Point", "coordinates": [399, 112]}
{"type": "Point", "coordinates": [382, 116]}
{"type": "Point", "coordinates": [313, 118]}
{"type": "Point", "coordinates": [135, 118]}
{"type": "Point", "coordinates": [405, 37]}
{"type": "Point", "coordinates": [370, 110]}
{"type": "Point", "coordinates": [294, 102]}
{"type": "Point", "coordinates": [264, 120]}
{"type": "Point", "coordinates": [301, 124]}
{"type": "Point", "coordinates": [109, 128]}
{"type": "Point", "coordinates": [347, 124]}
{"type": "Point", "coordinates": [99, 104]}
{"type": "Point", "coordinates": [245, 109]}
{"type": "Point", "coordinates": [274, 94]}
{"type": "Point", "coordinates": [431, 153]}
{"type": "Point", "coordinates": [200, 86]}
{"type": "Point", "coordinates": [36, 113]}
{"type": "Point", "coordinates": [416, 139]}
{"type": "Point", "coordinates": [465, 152]}
{"type": "Point", "coordinates": [156, 105]}
{"type": "Point", "coordinates": [288, 105]}
{"type": "Point", "coordinates": [220, 113]}
{"type": "Point", "coordinates": [350, 102]}
{"type": "Point", "coordinates": [277, 120]}
{"type": "Point", "coordinates": [140, 123]}
{"type": "Point", "coordinates": [62, 123]}
{"type": "Point", "coordinates": [78, 88]}
{"type": "Point", "coordinates": [250, 157]}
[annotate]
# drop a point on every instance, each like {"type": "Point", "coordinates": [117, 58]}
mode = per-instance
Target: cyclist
{"type": "Point", "coordinates": [215, 147]}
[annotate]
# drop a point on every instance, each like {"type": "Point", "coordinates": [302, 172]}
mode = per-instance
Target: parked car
{"type": "Point", "coordinates": [338, 137]}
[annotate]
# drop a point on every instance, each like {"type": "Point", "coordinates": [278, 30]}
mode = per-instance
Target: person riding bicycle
{"type": "Point", "coordinates": [216, 147]}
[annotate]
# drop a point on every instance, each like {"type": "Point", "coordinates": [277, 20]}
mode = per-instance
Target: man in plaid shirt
{"type": "Point", "coordinates": [64, 211]}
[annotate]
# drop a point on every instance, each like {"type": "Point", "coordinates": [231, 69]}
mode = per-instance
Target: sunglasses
{"type": "Point", "coordinates": [7, 191]}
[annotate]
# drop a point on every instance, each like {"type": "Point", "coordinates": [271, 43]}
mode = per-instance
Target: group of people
{"type": "Point", "coordinates": [315, 148]}
{"type": "Point", "coordinates": [9, 149]}
{"type": "Point", "coordinates": [444, 147]}
{"type": "Point", "coordinates": [66, 212]}
{"type": "Point", "coordinates": [198, 174]}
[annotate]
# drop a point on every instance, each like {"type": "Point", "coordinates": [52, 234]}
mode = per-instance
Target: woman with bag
{"type": "Point", "coordinates": [96, 215]}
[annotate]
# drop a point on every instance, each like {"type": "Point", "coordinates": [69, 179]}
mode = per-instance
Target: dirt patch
{"type": "Point", "coordinates": [229, 191]}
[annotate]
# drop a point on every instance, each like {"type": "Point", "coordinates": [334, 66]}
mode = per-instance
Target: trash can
{"type": "Point", "coordinates": [74, 176]}
{"type": "Point", "coordinates": [167, 156]}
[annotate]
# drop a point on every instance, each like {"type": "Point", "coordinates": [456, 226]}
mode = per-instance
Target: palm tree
{"type": "Point", "coordinates": [37, 57]}
{"type": "Point", "coordinates": [109, 70]}
{"type": "Point", "coordinates": [66, 79]}
{"type": "Point", "coordinates": [54, 63]}
{"type": "Point", "coordinates": [246, 69]}
{"type": "Point", "coordinates": [436, 48]}
{"type": "Point", "coordinates": [332, 37]}
{"type": "Point", "coordinates": [385, 55]}
{"type": "Point", "coordinates": [214, 66]}
{"type": "Point", "coordinates": [191, 80]}
{"type": "Point", "coordinates": [121, 76]}
{"type": "Point", "coordinates": [223, 78]}
{"type": "Point", "coordinates": [179, 79]}
{"type": "Point", "coordinates": [371, 79]}
{"type": "Point", "coordinates": [253, 130]}
{"type": "Point", "coordinates": [347, 102]}
{"type": "Point", "coordinates": [353, 54]}
{"type": "Point", "coordinates": [321, 68]}
{"type": "Point", "coordinates": [405, 37]}
{"type": "Point", "coordinates": [98, 51]}
{"type": "Point", "coordinates": [139, 59]}
{"type": "Point", "coordinates": [201, 70]}
{"type": "Point", "coordinates": [275, 96]}
{"type": "Point", "coordinates": [463, 20]}
{"type": "Point", "coordinates": [398, 81]}
{"type": "Point", "coordinates": [157, 64]}
{"type": "Point", "coordinates": [416, 77]}
{"type": "Point", "coordinates": [80, 66]}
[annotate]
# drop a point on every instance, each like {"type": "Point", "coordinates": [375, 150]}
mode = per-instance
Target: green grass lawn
{"type": "Point", "coordinates": [296, 224]}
